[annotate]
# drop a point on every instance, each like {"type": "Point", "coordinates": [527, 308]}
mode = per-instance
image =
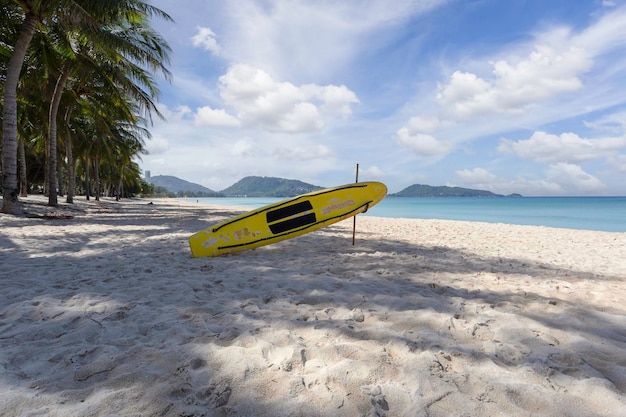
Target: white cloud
{"type": "Point", "coordinates": [618, 162]}
{"type": "Point", "coordinates": [176, 115]}
{"type": "Point", "coordinates": [567, 147]}
{"type": "Point", "coordinates": [157, 145]}
{"type": "Point", "coordinates": [560, 179]}
{"type": "Point", "coordinates": [291, 38]}
{"type": "Point", "coordinates": [423, 145]}
{"type": "Point", "coordinates": [243, 147]}
{"type": "Point", "coordinates": [416, 136]}
{"type": "Point", "coordinates": [547, 71]}
{"type": "Point", "coordinates": [605, 35]}
{"type": "Point", "coordinates": [335, 99]}
{"type": "Point", "coordinates": [205, 38]}
{"type": "Point", "coordinates": [531, 187]}
{"type": "Point", "coordinates": [423, 124]}
{"type": "Point", "coordinates": [371, 173]}
{"type": "Point", "coordinates": [476, 176]}
{"type": "Point", "coordinates": [206, 116]}
{"type": "Point", "coordinates": [560, 74]}
{"type": "Point", "coordinates": [482, 179]}
{"type": "Point", "coordinates": [302, 117]}
{"type": "Point", "coordinates": [612, 122]}
{"type": "Point", "coordinates": [574, 179]}
{"type": "Point", "coordinates": [303, 152]}
{"type": "Point", "coordinates": [259, 100]}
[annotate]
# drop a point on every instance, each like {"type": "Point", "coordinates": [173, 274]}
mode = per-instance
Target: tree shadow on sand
{"type": "Point", "coordinates": [311, 326]}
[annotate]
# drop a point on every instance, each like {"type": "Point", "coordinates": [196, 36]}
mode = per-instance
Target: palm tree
{"type": "Point", "coordinates": [10, 26]}
{"type": "Point", "coordinates": [115, 52]}
{"type": "Point", "coordinates": [126, 143]}
{"type": "Point", "coordinates": [33, 97]}
{"type": "Point", "coordinates": [89, 17]}
{"type": "Point", "coordinates": [101, 114]}
{"type": "Point", "coordinates": [31, 121]}
{"type": "Point", "coordinates": [10, 189]}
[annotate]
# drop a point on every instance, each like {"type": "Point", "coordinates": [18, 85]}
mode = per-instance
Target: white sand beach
{"type": "Point", "coordinates": [103, 312]}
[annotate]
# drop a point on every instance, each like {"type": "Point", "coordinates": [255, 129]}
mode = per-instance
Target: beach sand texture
{"type": "Point", "coordinates": [107, 314]}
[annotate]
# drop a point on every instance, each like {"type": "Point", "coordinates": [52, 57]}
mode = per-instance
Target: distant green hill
{"type": "Point", "coordinates": [176, 185]}
{"type": "Point", "coordinates": [282, 187]}
{"type": "Point", "coordinates": [420, 190]}
{"type": "Point", "coordinates": [268, 187]}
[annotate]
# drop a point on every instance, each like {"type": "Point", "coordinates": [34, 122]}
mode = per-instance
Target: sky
{"type": "Point", "coordinates": [510, 96]}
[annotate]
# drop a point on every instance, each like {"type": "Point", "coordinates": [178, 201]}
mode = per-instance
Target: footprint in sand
{"type": "Point", "coordinates": [546, 338]}
{"type": "Point", "coordinates": [510, 354]}
{"type": "Point", "coordinates": [189, 374]}
{"type": "Point", "coordinates": [377, 399]}
{"type": "Point", "coordinates": [478, 330]}
{"type": "Point", "coordinates": [481, 331]}
{"type": "Point", "coordinates": [213, 395]}
{"type": "Point", "coordinates": [570, 364]}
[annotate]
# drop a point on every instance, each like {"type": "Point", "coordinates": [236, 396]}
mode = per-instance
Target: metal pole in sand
{"type": "Point", "coordinates": [354, 221]}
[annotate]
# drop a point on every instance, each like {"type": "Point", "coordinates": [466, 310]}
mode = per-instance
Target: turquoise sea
{"type": "Point", "coordinates": [588, 213]}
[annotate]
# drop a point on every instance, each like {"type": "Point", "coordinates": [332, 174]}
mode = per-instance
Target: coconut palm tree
{"type": "Point", "coordinates": [113, 59]}
{"type": "Point", "coordinates": [10, 189]}
{"type": "Point", "coordinates": [87, 16]}
{"type": "Point", "coordinates": [102, 115]}
{"type": "Point", "coordinates": [108, 59]}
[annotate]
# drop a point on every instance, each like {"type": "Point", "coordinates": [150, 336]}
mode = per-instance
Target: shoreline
{"type": "Point", "coordinates": [581, 213]}
{"type": "Point", "coordinates": [107, 313]}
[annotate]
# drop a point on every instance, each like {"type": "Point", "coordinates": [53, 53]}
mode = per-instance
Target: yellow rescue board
{"type": "Point", "coordinates": [286, 219]}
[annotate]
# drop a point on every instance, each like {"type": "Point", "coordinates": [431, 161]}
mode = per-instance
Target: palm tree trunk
{"type": "Point", "coordinates": [10, 191]}
{"type": "Point", "coordinates": [87, 180]}
{"type": "Point", "coordinates": [96, 175]}
{"type": "Point", "coordinates": [52, 137]}
{"type": "Point", "coordinates": [118, 193]}
{"type": "Point", "coordinates": [60, 176]}
{"type": "Point", "coordinates": [120, 189]}
{"type": "Point", "coordinates": [71, 171]}
{"type": "Point", "coordinates": [22, 158]}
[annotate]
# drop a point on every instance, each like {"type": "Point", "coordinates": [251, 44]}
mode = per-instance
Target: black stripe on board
{"type": "Point", "coordinates": [294, 223]}
{"type": "Point", "coordinates": [288, 211]}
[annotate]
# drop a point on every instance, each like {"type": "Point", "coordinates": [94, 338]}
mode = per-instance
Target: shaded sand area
{"type": "Point", "coordinates": [106, 314]}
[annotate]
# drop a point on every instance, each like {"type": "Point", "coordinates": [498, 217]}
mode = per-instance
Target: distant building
{"type": "Point", "coordinates": [148, 176]}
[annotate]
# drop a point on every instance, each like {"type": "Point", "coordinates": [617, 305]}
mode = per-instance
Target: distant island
{"type": "Point", "coordinates": [167, 185]}
{"type": "Point", "coordinates": [421, 190]}
{"type": "Point", "coordinates": [171, 186]}
{"type": "Point", "coordinates": [268, 187]}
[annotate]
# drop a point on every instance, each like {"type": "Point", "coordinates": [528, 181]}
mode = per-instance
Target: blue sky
{"type": "Point", "coordinates": [511, 96]}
